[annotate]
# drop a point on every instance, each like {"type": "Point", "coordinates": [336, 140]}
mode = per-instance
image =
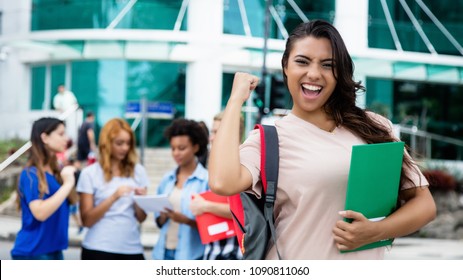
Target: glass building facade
{"type": "Point", "coordinates": [420, 93]}
{"type": "Point", "coordinates": [85, 14]}
{"type": "Point", "coordinates": [431, 106]}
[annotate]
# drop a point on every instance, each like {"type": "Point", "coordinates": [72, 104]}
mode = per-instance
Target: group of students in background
{"type": "Point", "coordinates": [106, 189]}
{"type": "Point", "coordinates": [322, 126]}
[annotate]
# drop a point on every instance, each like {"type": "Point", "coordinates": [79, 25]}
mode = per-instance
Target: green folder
{"type": "Point", "coordinates": [373, 183]}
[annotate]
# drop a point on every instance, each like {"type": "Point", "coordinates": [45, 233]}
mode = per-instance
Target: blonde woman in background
{"type": "Point", "coordinates": [106, 192]}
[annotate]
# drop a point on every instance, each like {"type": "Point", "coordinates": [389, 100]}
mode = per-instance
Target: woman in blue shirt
{"type": "Point", "coordinates": [42, 193]}
{"type": "Point", "coordinates": [179, 238]}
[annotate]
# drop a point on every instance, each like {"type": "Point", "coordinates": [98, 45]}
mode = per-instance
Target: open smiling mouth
{"type": "Point", "coordinates": [311, 90]}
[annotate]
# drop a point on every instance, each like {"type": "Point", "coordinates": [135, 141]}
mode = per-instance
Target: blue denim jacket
{"type": "Point", "coordinates": [189, 245]}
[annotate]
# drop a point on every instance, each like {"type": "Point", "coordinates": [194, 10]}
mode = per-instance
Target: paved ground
{"type": "Point", "coordinates": [404, 248]}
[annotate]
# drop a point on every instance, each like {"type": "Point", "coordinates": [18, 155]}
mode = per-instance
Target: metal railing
{"type": "Point", "coordinates": [28, 144]}
{"type": "Point", "coordinates": [426, 140]}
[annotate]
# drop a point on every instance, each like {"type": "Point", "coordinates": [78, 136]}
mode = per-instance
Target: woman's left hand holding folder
{"type": "Point", "coordinates": [359, 232]}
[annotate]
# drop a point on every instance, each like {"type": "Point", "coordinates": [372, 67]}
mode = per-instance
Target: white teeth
{"type": "Point", "coordinates": [312, 87]}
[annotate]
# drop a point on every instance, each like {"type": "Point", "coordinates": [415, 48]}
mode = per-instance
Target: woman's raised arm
{"type": "Point", "coordinates": [226, 174]}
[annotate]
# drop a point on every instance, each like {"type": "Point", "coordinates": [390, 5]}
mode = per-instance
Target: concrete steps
{"type": "Point", "coordinates": [157, 162]}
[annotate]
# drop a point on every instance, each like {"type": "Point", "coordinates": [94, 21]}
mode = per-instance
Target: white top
{"type": "Point", "coordinates": [118, 230]}
{"type": "Point", "coordinates": [175, 198]}
{"type": "Point", "coordinates": [312, 183]}
{"type": "Point", "coordinates": [63, 101]}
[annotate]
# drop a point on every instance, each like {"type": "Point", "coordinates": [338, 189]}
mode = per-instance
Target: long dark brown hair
{"type": "Point", "coordinates": [341, 104]}
{"type": "Point", "coordinates": [40, 156]}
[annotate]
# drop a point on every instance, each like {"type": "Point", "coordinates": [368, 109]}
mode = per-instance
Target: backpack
{"type": "Point", "coordinates": [253, 217]}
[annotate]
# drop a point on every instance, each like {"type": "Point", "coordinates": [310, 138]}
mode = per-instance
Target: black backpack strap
{"type": "Point", "coordinates": [270, 157]}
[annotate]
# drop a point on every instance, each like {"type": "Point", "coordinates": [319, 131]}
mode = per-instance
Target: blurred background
{"type": "Point", "coordinates": [150, 61]}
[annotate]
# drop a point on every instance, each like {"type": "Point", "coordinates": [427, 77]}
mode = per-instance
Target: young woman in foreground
{"type": "Point", "coordinates": [315, 141]}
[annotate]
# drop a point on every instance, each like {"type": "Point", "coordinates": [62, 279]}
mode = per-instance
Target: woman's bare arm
{"type": "Point", "coordinates": [226, 174]}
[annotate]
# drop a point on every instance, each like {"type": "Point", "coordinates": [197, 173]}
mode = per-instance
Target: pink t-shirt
{"type": "Point", "coordinates": [312, 182]}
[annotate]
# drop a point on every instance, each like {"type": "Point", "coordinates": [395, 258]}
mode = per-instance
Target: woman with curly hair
{"type": "Point", "coordinates": [42, 193]}
{"type": "Point", "coordinates": [106, 191]}
{"type": "Point", "coordinates": [179, 238]}
{"type": "Point", "coordinates": [315, 144]}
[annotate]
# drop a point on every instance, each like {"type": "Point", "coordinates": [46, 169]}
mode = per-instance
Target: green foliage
{"type": "Point", "coordinates": [9, 146]}
{"type": "Point", "coordinates": [5, 192]}
{"type": "Point", "coordinates": [381, 108]}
